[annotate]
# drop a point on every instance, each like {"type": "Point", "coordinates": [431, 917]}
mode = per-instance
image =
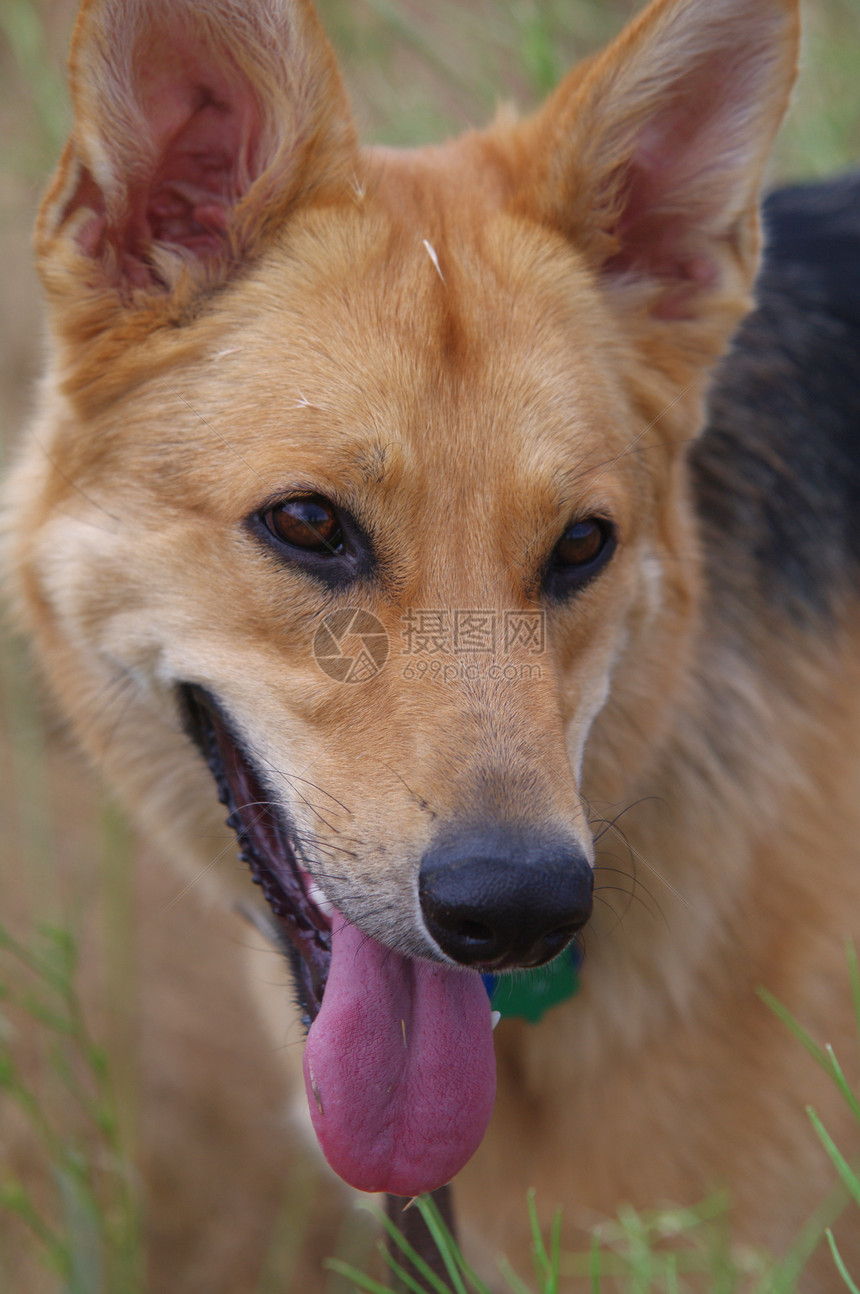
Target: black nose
{"type": "Point", "coordinates": [494, 899]}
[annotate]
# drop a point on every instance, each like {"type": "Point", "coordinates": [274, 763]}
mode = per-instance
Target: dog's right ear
{"type": "Point", "coordinates": [198, 124]}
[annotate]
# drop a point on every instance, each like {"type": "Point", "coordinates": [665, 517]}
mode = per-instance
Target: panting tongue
{"type": "Point", "coordinates": [399, 1067]}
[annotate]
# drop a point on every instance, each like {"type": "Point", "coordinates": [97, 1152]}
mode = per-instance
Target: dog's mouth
{"type": "Point", "coordinates": [265, 845]}
{"type": "Point", "coordinates": [399, 1065]}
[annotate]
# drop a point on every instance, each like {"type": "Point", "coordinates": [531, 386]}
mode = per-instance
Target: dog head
{"type": "Point", "coordinates": [367, 470]}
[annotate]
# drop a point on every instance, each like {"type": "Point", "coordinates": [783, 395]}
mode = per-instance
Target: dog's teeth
{"type": "Point", "coordinates": [495, 1017]}
{"type": "Point", "coordinates": [317, 897]}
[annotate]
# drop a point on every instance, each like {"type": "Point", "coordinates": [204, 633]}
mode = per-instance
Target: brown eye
{"type": "Point", "coordinates": [310, 524]}
{"type": "Point", "coordinates": [583, 551]}
{"type": "Point", "coordinates": [581, 544]}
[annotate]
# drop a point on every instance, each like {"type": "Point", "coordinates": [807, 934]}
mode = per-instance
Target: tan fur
{"type": "Point", "coordinates": [466, 405]}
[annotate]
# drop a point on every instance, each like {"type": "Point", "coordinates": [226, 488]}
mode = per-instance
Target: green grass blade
{"type": "Point", "coordinates": [15, 1198]}
{"type": "Point", "coordinates": [414, 1257]}
{"type": "Point", "coordinates": [671, 1274]}
{"type": "Point", "coordinates": [514, 1283]}
{"type": "Point", "coordinates": [406, 1277]}
{"type": "Point", "coordinates": [541, 1257]}
{"type": "Point", "coordinates": [359, 1280]}
{"type": "Point", "coordinates": [785, 1276]}
{"type": "Point", "coordinates": [595, 1264]}
{"type": "Point", "coordinates": [430, 1210]}
{"type": "Point", "coordinates": [842, 1084]}
{"type": "Point", "coordinates": [840, 1163]}
{"type": "Point", "coordinates": [443, 1240]}
{"type": "Point", "coordinates": [824, 1056]}
{"type": "Point", "coordinates": [554, 1253]}
{"type": "Point", "coordinates": [805, 1039]}
{"type": "Point", "coordinates": [840, 1263]}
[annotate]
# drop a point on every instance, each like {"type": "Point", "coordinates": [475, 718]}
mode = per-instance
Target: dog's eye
{"type": "Point", "coordinates": [581, 544]}
{"type": "Point", "coordinates": [310, 524]}
{"type": "Point", "coordinates": [580, 553]}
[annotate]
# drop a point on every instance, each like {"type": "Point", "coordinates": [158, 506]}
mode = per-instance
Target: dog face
{"type": "Point", "coordinates": [312, 406]}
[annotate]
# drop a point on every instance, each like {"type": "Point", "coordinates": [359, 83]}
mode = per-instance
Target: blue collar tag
{"type": "Point", "coordinates": [529, 994]}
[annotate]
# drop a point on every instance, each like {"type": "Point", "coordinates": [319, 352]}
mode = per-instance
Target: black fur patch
{"type": "Point", "coordinates": [777, 472]}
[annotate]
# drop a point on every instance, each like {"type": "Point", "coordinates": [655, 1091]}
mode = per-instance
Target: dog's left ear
{"type": "Point", "coordinates": [651, 158]}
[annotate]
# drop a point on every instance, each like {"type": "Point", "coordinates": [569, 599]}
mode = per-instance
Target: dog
{"type": "Point", "coordinates": [432, 501]}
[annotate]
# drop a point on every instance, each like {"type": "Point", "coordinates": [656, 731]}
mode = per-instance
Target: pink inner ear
{"type": "Point", "coordinates": [189, 197]}
{"type": "Point", "coordinates": [672, 186]}
{"type": "Point", "coordinates": [654, 242]}
{"type": "Point", "coordinates": [205, 123]}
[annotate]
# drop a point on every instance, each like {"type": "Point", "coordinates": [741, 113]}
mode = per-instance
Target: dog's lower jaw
{"type": "Point", "coordinates": [304, 930]}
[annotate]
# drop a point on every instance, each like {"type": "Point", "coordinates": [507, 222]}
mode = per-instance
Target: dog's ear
{"type": "Point", "coordinates": [197, 124]}
{"type": "Point", "coordinates": [652, 156]}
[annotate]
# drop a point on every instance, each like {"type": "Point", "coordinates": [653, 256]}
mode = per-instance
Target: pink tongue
{"type": "Point", "coordinates": [399, 1067]}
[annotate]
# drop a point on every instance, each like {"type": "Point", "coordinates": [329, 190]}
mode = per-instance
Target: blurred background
{"type": "Point", "coordinates": [143, 1143]}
